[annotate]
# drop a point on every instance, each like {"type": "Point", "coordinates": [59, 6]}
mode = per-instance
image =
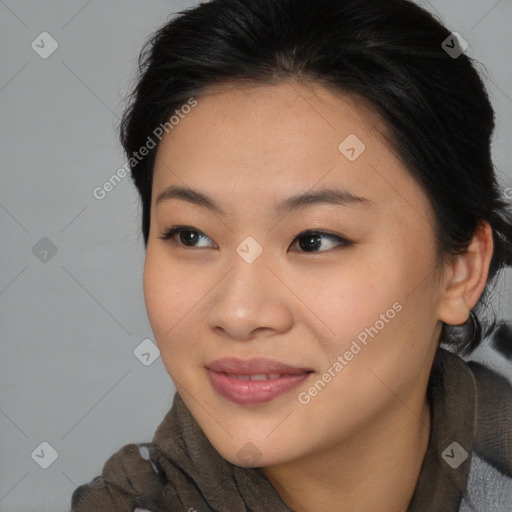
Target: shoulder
{"type": "Point", "coordinates": [487, 488]}
{"type": "Point", "coordinates": [490, 478]}
{"type": "Point", "coordinates": [493, 417]}
{"type": "Point", "coordinates": [129, 479]}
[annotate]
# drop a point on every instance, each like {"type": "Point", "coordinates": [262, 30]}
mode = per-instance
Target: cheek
{"type": "Point", "coordinates": [375, 302]}
{"type": "Point", "coordinates": [351, 298]}
{"type": "Point", "coordinates": [158, 295]}
{"type": "Point", "coordinates": [168, 299]}
{"type": "Point", "coordinates": [173, 294]}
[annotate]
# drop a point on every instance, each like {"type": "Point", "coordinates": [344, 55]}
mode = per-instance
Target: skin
{"type": "Point", "coordinates": [359, 443]}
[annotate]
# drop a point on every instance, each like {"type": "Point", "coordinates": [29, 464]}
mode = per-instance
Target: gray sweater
{"type": "Point", "coordinates": [467, 467]}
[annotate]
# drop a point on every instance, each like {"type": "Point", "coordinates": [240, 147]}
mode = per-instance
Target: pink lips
{"type": "Point", "coordinates": [254, 381]}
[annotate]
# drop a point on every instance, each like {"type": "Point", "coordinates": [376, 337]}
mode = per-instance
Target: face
{"type": "Point", "coordinates": [341, 286]}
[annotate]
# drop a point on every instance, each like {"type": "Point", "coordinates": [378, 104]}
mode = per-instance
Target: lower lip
{"type": "Point", "coordinates": [253, 392]}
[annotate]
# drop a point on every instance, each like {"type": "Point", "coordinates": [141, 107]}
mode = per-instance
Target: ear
{"type": "Point", "coordinates": [465, 278]}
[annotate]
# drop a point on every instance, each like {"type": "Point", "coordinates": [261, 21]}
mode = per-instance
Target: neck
{"type": "Point", "coordinates": [376, 469]}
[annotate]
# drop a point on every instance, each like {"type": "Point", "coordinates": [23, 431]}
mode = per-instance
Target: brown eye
{"type": "Point", "coordinates": [187, 236]}
{"type": "Point", "coordinates": [311, 241]}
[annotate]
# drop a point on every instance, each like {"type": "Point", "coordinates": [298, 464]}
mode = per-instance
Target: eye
{"type": "Point", "coordinates": [308, 241]}
{"type": "Point", "coordinates": [187, 235]}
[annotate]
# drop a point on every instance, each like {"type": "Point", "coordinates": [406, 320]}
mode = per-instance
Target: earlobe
{"type": "Point", "coordinates": [465, 278]}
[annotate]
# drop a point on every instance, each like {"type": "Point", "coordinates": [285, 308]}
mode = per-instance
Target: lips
{"type": "Point", "coordinates": [258, 376]}
{"type": "Point", "coordinates": [254, 381]}
{"type": "Point", "coordinates": [254, 366]}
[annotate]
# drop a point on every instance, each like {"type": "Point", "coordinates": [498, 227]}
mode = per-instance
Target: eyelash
{"type": "Point", "coordinates": [169, 235]}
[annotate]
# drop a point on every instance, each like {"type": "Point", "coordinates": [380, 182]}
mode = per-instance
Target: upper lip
{"type": "Point", "coordinates": [254, 366]}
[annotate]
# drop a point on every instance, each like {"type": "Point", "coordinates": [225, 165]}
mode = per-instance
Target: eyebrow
{"type": "Point", "coordinates": [297, 202]}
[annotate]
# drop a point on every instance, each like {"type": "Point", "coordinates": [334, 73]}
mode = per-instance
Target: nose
{"type": "Point", "coordinates": [251, 299]}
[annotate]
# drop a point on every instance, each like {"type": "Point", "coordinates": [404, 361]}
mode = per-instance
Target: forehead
{"type": "Point", "coordinates": [242, 142]}
{"type": "Point", "coordinates": [261, 124]}
{"type": "Point", "coordinates": [236, 106]}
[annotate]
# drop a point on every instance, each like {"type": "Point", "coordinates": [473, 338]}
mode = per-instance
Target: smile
{"type": "Point", "coordinates": [254, 389]}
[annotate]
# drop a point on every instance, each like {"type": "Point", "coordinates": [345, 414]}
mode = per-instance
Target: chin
{"type": "Point", "coordinates": [250, 454]}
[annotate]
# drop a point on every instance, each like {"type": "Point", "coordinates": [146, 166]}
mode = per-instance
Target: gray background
{"type": "Point", "coordinates": [70, 324]}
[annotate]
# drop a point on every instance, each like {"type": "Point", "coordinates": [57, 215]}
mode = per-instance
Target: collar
{"type": "Point", "coordinates": [444, 474]}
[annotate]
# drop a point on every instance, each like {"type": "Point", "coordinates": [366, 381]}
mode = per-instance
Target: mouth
{"type": "Point", "coordinates": [254, 381]}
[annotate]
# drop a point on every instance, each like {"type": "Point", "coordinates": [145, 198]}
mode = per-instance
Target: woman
{"type": "Point", "coordinates": [320, 213]}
